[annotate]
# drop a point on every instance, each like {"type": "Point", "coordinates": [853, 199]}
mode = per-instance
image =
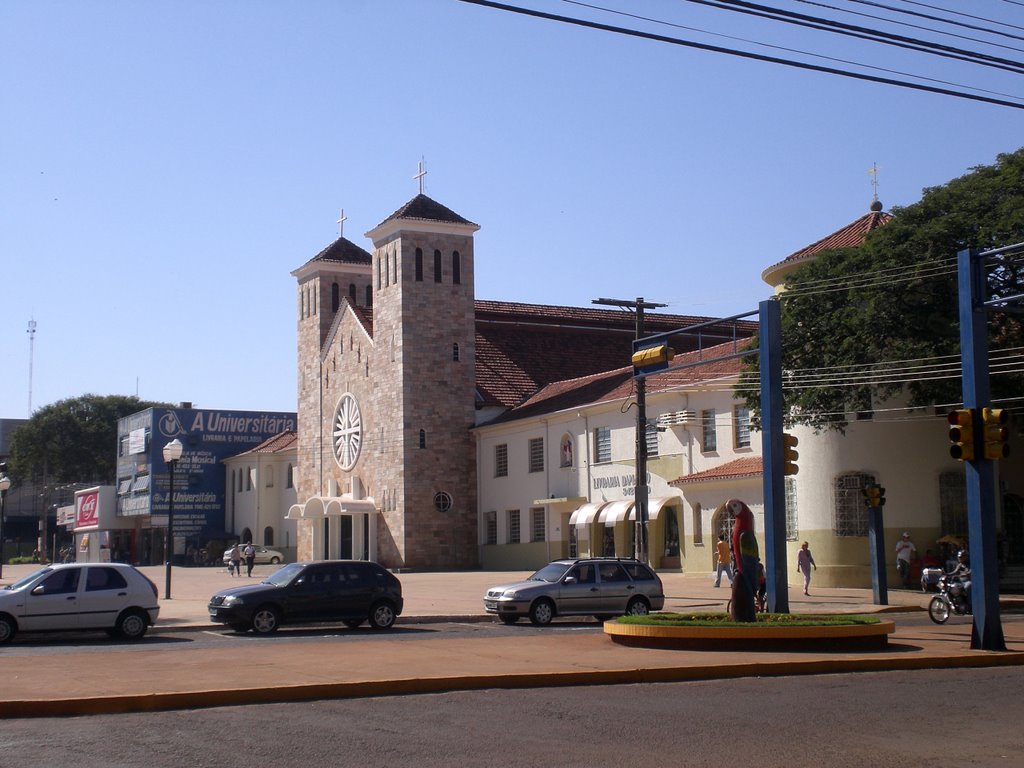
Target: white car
{"type": "Point", "coordinates": [263, 555]}
{"type": "Point", "coordinates": [111, 596]}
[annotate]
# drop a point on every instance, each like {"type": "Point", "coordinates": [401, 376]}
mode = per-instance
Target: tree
{"type": "Point", "coordinates": [73, 440]}
{"type": "Point", "coordinates": [863, 325]}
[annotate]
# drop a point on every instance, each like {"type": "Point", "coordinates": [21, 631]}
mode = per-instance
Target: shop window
{"type": "Point", "coordinates": [538, 520]}
{"type": "Point", "coordinates": [513, 526]}
{"type": "Point", "coordinates": [709, 434]}
{"type": "Point", "coordinates": [603, 444]}
{"type": "Point", "coordinates": [850, 514]}
{"type": "Point", "coordinates": [536, 458]}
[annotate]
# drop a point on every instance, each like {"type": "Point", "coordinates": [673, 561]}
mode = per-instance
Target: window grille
{"type": "Point", "coordinates": [501, 460]}
{"type": "Point", "coordinates": [603, 444]}
{"type": "Point", "coordinates": [851, 516]}
{"type": "Point", "coordinates": [537, 454]}
{"type": "Point", "coordinates": [709, 435]}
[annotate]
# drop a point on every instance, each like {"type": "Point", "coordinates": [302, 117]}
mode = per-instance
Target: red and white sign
{"type": "Point", "coordinates": [87, 513]}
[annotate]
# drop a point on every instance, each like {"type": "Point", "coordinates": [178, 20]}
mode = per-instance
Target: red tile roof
{"type": "Point", "coordinates": [280, 443]}
{"type": "Point", "coordinates": [746, 466]}
{"type": "Point", "coordinates": [618, 383]}
{"type": "Point", "coordinates": [850, 236]}
{"type": "Point", "coordinates": [521, 348]}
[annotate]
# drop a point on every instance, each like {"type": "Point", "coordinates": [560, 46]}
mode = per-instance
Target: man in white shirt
{"type": "Point", "coordinates": [905, 550]}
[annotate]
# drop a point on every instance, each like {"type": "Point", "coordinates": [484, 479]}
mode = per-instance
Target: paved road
{"type": "Point", "coordinates": [892, 719]}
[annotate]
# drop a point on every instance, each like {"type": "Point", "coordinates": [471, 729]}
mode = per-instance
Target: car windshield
{"type": "Point", "coordinates": [284, 576]}
{"type": "Point", "coordinates": [550, 573]}
{"type": "Point", "coordinates": [28, 579]}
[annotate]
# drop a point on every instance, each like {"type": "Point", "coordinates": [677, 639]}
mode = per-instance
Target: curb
{"type": "Point", "coordinates": [104, 705]}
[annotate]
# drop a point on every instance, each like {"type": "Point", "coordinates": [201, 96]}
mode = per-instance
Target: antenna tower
{"type": "Point", "coordinates": [31, 353]}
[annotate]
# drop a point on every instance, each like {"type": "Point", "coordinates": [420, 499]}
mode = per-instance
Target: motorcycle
{"type": "Point", "coordinates": [951, 600]}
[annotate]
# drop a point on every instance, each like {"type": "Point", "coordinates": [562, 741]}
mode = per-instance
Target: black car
{"type": "Point", "coordinates": [350, 591]}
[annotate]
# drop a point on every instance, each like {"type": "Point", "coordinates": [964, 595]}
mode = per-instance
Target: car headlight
{"type": "Point", "coordinates": [231, 600]}
{"type": "Point", "coordinates": [511, 594]}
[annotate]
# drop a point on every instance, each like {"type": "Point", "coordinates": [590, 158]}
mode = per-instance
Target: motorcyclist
{"type": "Point", "coordinates": [962, 572]}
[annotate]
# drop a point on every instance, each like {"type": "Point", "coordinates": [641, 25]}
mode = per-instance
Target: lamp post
{"type": "Point", "coordinates": [172, 452]}
{"type": "Point", "coordinates": [5, 483]}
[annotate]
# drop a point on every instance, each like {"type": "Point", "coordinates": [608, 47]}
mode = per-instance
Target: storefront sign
{"type": "Point", "coordinates": [87, 513]}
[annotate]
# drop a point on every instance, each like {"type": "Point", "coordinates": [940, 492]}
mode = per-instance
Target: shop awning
{"type": "Point", "coordinates": [615, 512]}
{"type": "Point", "coordinates": [655, 504]}
{"type": "Point", "coordinates": [585, 514]}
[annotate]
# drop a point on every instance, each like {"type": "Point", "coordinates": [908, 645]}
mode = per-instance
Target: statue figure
{"type": "Point", "coordinates": [744, 557]}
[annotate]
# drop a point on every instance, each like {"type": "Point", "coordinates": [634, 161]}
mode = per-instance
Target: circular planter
{"type": "Point", "coordinates": [754, 637]}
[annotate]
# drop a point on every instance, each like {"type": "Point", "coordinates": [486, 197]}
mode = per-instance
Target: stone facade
{"type": "Point", "coordinates": [410, 367]}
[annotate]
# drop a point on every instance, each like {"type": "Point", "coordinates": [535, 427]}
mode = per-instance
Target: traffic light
{"type": "Point", "coordinates": [652, 358]}
{"type": "Point", "coordinates": [996, 433]}
{"type": "Point", "coordinates": [874, 495]}
{"type": "Point", "coordinates": [961, 434]}
{"type": "Point", "coordinates": [789, 454]}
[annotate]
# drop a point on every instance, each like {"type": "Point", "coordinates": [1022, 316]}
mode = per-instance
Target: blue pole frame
{"type": "Point", "coordinates": [987, 633]}
{"type": "Point", "coordinates": [772, 450]}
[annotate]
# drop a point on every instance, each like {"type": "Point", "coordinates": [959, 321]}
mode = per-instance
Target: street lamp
{"type": "Point", "coordinates": [5, 483]}
{"type": "Point", "coordinates": [172, 452]}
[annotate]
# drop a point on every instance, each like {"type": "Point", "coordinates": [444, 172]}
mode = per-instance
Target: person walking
{"type": "Point", "coordinates": [724, 561]}
{"type": "Point", "coordinates": [250, 558]}
{"type": "Point", "coordinates": [905, 550]}
{"type": "Point", "coordinates": [804, 563]}
{"type": "Point", "coordinates": [235, 560]}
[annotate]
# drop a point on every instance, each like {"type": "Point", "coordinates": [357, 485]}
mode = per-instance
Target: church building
{"type": "Point", "coordinates": [398, 362]}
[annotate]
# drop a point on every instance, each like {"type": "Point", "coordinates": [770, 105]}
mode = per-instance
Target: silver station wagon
{"type": "Point", "coordinates": [602, 587]}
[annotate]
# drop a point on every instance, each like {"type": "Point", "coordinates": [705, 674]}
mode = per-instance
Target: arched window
{"type": "Point", "coordinates": [394, 266]}
{"type": "Point", "coordinates": [387, 269]}
{"type": "Point", "coordinates": [352, 292]}
{"type": "Point", "coordinates": [246, 536]}
{"type": "Point", "coordinates": [455, 352]}
{"type": "Point", "coordinates": [313, 291]}
{"type": "Point", "coordinates": [268, 537]}
{"type": "Point", "coordinates": [437, 266]}
{"type": "Point", "coordinates": [456, 268]}
{"type": "Point", "coordinates": [850, 514]}
{"type": "Point", "coordinates": [423, 438]}
{"type": "Point", "coordinates": [369, 297]}
{"type": "Point", "coordinates": [335, 297]}
{"type": "Point", "coordinates": [419, 265]}
{"type": "Point", "coordinates": [378, 273]}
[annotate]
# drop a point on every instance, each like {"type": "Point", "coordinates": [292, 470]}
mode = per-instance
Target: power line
{"type": "Point", "coordinates": [742, 54]}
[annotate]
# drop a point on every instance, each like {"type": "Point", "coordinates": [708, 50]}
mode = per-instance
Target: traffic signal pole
{"type": "Point", "coordinates": [987, 633]}
{"type": "Point", "coordinates": [773, 456]}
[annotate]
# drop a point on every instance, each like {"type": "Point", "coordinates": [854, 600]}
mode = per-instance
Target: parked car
{"type": "Point", "coordinates": [350, 591]}
{"type": "Point", "coordinates": [264, 556]}
{"type": "Point", "coordinates": [601, 587]}
{"type": "Point", "coordinates": [111, 596]}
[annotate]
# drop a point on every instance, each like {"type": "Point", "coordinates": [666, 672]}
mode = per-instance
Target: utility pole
{"type": "Point", "coordinates": [641, 489]}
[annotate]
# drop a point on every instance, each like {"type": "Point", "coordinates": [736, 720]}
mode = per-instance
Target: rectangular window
{"type": "Point", "coordinates": [537, 454]}
{"type": "Point", "coordinates": [491, 528]}
{"type": "Point", "coordinates": [708, 431]}
{"type": "Point", "coordinates": [513, 526]}
{"type": "Point", "coordinates": [289, 480]}
{"type": "Point", "coordinates": [501, 460]}
{"type": "Point", "coordinates": [651, 439]}
{"type": "Point", "coordinates": [741, 426]}
{"type": "Point", "coordinates": [539, 524]}
{"type": "Point", "coordinates": [603, 444]}
{"type": "Point", "coordinates": [791, 521]}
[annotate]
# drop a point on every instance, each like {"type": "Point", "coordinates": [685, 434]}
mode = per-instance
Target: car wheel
{"type": "Point", "coordinates": [7, 629]}
{"type": "Point", "coordinates": [382, 615]}
{"type": "Point", "coordinates": [509, 618]}
{"type": "Point", "coordinates": [265, 620]}
{"type": "Point", "coordinates": [638, 607]}
{"type": "Point", "coordinates": [132, 624]}
{"type": "Point", "coordinates": [353, 623]}
{"type": "Point", "coordinates": [542, 612]}
{"type": "Point", "coordinates": [275, 560]}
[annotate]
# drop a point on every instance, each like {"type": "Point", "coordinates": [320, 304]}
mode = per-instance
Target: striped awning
{"type": "Point", "coordinates": [655, 505]}
{"type": "Point", "coordinates": [615, 512]}
{"type": "Point", "coordinates": [585, 514]}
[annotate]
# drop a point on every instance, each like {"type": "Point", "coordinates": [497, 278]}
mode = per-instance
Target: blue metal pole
{"type": "Point", "coordinates": [876, 543]}
{"type": "Point", "coordinates": [987, 633]}
{"type": "Point", "coordinates": [770, 339]}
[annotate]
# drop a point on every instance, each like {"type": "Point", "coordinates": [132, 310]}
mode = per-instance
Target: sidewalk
{"type": "Point", "coordinates": [163, 673]}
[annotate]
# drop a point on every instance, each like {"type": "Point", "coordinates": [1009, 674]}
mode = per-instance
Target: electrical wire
{"type": "Point", "coordinates": [743, 54]}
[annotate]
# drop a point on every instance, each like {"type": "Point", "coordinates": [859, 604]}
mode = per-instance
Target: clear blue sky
{"type": "Point", "coordinates": [165, 165]}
